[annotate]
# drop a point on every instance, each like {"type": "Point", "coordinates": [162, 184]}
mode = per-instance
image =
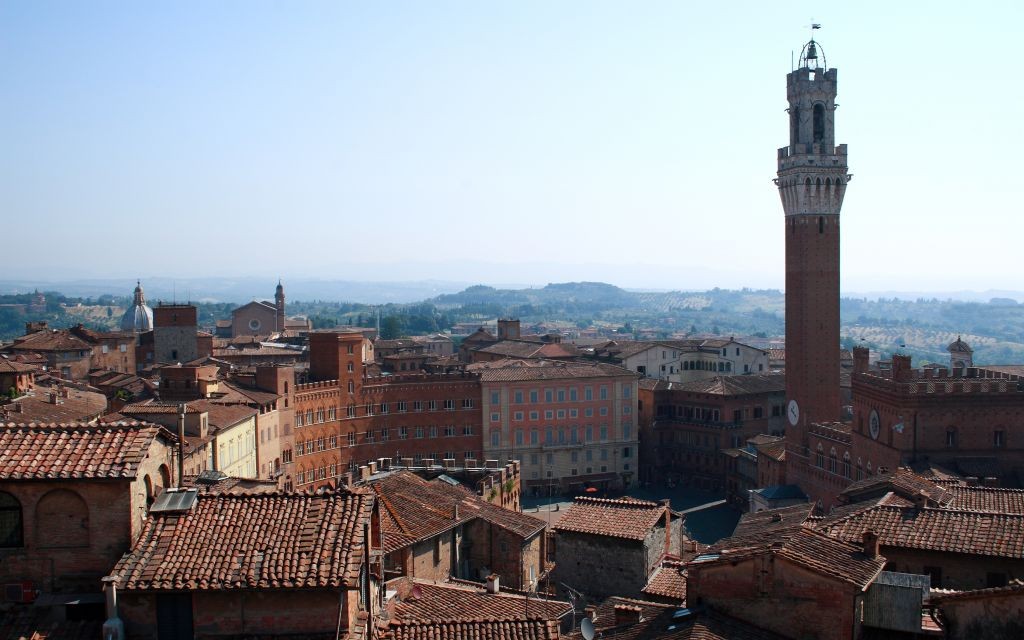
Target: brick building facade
{"type": "Point", "coordinates": [345, 419]}
{"type": "Point", "coordinates": [572, 424]}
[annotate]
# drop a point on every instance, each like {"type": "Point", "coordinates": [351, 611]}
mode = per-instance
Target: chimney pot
{"type": "Point", "coordinates": [626, 614]}
{"type": "Point", "coordinates": [493, 583]}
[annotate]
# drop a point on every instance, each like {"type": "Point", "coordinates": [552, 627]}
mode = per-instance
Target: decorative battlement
{"type": "Point", "coordinates": [973, 381]}
{"type": "Point", "coordinates": [316, 386]}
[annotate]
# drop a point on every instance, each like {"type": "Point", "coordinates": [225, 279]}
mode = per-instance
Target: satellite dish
{"type": "Point", "coordinates": [587, 629]}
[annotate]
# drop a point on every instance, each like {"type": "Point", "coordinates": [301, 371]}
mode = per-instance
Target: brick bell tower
{"type": "Point", "coordinates": [812, 181]}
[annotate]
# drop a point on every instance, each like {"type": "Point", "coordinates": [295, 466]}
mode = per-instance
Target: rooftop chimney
{"type": "Point", "coordinates": [590, 611]}
{"type": "Point", "coordinates": [626, 614]}
{"type": "Point", "coordinates": [870, 544]}
{"type": "Point", "coordinates": [492, 583]}
{"type": "Point", "coordinates": [455, 511]}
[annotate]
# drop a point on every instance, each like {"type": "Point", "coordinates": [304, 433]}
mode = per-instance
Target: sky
{"type": "Point", "coordinates": [514, 142]}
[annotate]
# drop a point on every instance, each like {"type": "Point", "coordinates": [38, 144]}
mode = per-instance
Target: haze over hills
{"type": "Point", "coordinates": [244, 289]}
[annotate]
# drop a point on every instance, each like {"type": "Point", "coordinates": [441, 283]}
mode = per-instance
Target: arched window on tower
{"type": "Point", "coordinates": [10, 521]}
{"type": "Point", "coordinates": [820, 458]}
{"type": "Point", "coordinates": [819, 122]}
{"type": "Point", "coordinates": [821, 224]}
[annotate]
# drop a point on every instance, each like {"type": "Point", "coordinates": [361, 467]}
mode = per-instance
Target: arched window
{"type": "Point", "coordinates": [351, 386]}
{"type": "Point", "coordinates": [10, 521]}
{"type": "Point", "coordinates": [62, 520]}
{"type": "Point", "coordinates": [819, 122]}
{"type": "Point", "coordinates": [820, 458]}
{"type": "Point", "coordinates": [951, 437]}
{"type": "Point", "coordinates": [821, 224]}
{"type": "Point", "coordinates": [832, 461]}
{"type": "Point", "coordinates": [846, 465]}
{"type": "Point", "coordinates": [860, 469]}
{"type": "Point", "coordinates": [870, 472]}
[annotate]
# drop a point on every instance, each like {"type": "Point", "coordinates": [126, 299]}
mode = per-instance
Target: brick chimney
{"type": "Point", "coordinates": [667, 504]}
{"type": "Point", "coordinates": [920, 500]}
{"type": "Point", "coordinates": [870, 544]}
{"type": "Point", "coordinates": [626, 614]}
{"type": "Point", "coordinates": [590, 611]}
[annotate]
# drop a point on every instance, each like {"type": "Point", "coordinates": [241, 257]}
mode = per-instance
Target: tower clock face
{"type": "Point", "coordinates": [873, 424]}
{"type": "Point", "coordinates": [793, 412]}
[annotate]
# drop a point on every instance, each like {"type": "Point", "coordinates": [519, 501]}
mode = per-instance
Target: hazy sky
{"type": "Point", "coordinates": [630, 142]}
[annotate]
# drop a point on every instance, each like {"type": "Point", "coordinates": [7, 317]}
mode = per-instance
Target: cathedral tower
{"type": "Point", "coordinates": [279, 304]}
{"type": "Point", "coordinates": [812, 181]}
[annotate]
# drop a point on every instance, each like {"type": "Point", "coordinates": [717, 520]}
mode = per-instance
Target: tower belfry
{"type": "Point", "coordinates": [812, 180]}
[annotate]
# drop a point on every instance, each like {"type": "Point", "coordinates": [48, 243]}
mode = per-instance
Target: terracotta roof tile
{"type": "Point", "coordinates": [902, 481]}
{"type": "Point", "coordinates": [949, 530]}
{"type": "Point", "coordinates": [451, 603]}
{"type": "Point", "coordinates": [514, 370]}
{"type": "Point", "coordinates": [668, 581]}
{"type": "Point", "coordinates": [986, 499]}
{"type": "Point", "coordinates": [271, 541]}
{"type": "Point", "coordinates": [620, 518]}
{"type": "Point", "coordinates": [734, 385]}
{"type": "Point", "coordinates": [74, 451]}
{"type": "Point", "coordinates": [413, 509]}
{"type": "Point", "coordinates": [10, 366]}
{"type": "Point", "coordinates": [475, 630]}
{"type": "Point", "coordinates": [55, 405]}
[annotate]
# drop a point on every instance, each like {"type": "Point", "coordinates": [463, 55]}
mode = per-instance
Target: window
{"type": "Point", "coordinates": [123, 348]}
{"type": "Point", "coordinates": [495, 417]}
{"type": "Point", "coordinates": [449, 431]}
{"type": "Point", "coordinates": [432, 405]}
{"type": "Point", "coordinates": [997, 439]}
{"type": "Point", "coordinates": [433, 431]}
{"type": "Point", "coordinates": [627, 410]}
{"type": "Point", "coordinates": [561, 395]}
{"type": "Point", "coordinates": [417, 405]}
{"type": "Point", "coordinates": [573, 395]}
{"type": "Point", "coordinates": [627, 452]}
{"type": "Point", "coordinates": [369, 436]}
{"type": "Point", "coordinates": [588, 393]}
{"type": "Point", "coordinates": [534, 415]}
{"type": "Point", "coordinates": [350, 411]}
{"type": "Point", "coordinates": [574, 456]}
{"type": "Point", "coordinates": [449, 405]}
{"type": "Point", "coordinates": [495, 438]}
{"type": "Point", "coordinates": [403, 433]}
{"type": "Point", "coordinates": [495, 397]}
{"type": "Point", "coordinates": [627, 391]}
{"type": "Point", "coordinates": [385, 435]}
{"type": "Point", "coordinates": [384, 408]}
{"type": "Point", "coordinates": [604, 456]}
{"type": "Point", "coordinates": [334, 441]}
{"type": "Point", "coordinates": [561, 414]}
{"type": "Point", "coordinates": [104, 348]}
{"type": "Point", "coordinates": [549, 458]}
{"type": "Point", "coordinates": [332, 413]}
{"type": "Point", "coordinates": [590, 457]}
{"type": "Point", "coordinates": [574, 413]}
{"type": "Point", "coordinates": [519, 397]}
{"type": "Point", "coordinates": [549, 415]}
{"type": "Point", "coordinates": [590, 433]}
{"type": "Point", "coordinates": [351, 386]}
{"type": "Point", "coordinates": [588, 412]}
{"type": "Point", "coordinates": [533, 459]}
{"type": "Point", "coordinates": [549, 436]}
{"type": "Point", "coordinates": [548, 396]}
{"type": "Point", "coordinates": [534, 436]}
{"type": "Point", "coordinates": [519, 438]}
{"type": "Point", "coordinates": [820, 458]}
{"type": "Point", "coordinates": [603, 411]}
{"type": "Point", "coordinates": [533, 396]}
{"type": "Point", "coordinates": [603, 392]}
{"type": "Point", "coordinates": [604, 432]}
{"type": "Point", "coordinates": [627, 432]}
{"type": "Point", "coordinates": [401, 406]}
{"type": "Point", "coordinates": [951, 437]}
{"type": "Point", "coordinates": [518, 415]}
{"type": "Point", "coordinates": [419, 432]}
{"type": "Point", "coordinates": [11, 534]}
{"type": "Point", "coordinates": [320, 443]}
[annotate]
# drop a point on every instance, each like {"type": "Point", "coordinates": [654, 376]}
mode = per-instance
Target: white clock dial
{"type": "Point", "coordinates": [873, 424]}
{"type": "Point", "coordinates": [793, 412]}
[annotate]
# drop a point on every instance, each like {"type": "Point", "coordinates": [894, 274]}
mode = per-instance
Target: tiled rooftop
{"type": "Point", "coordinates": [668, 581]}
{"type": "Point", "coordinates": [516, 370]}
{"type": "Point", "coordinates": [46, 405]}
{"type": "Point", "coordinates": [789, 538]}
{"type": "Point", "coordinates": [986, 499]}
{"type": "Point", "coordinates": [74, 451]}
{"type": "Point", "coordinates": [620, 518]}
{"type": "Point", "coordinates": [452, 603]}
{"type": "Point", "coordinates": [474, 630]}
{"type": "Point", "coordinates": [413, 509]}
{"type": "Point", "coordinates": [734, 385]}
{"type": "Point", "coordinates": [948, 530]}
{"type": "Point", "coordinates": [902, 481]}
{"type": "Point", "coordinates": [272, 541]}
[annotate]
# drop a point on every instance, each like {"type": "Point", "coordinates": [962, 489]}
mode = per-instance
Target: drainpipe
{"type": "Point", "coordinates": [181, 443]}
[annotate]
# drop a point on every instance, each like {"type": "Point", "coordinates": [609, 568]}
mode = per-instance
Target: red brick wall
{"type": "Point", "coordinates": [791, 601]}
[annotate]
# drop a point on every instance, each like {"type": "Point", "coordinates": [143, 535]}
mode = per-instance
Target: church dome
{"type": "Point", "coordinates": [959, 345]}
{"type": "Point", "coordinates": [139, 317]}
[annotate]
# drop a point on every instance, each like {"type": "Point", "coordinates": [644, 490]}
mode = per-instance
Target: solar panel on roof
{"type": "Point", "coordinates": [174, 500]}
{"type": "Point", "coordinates": [447, 478]}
